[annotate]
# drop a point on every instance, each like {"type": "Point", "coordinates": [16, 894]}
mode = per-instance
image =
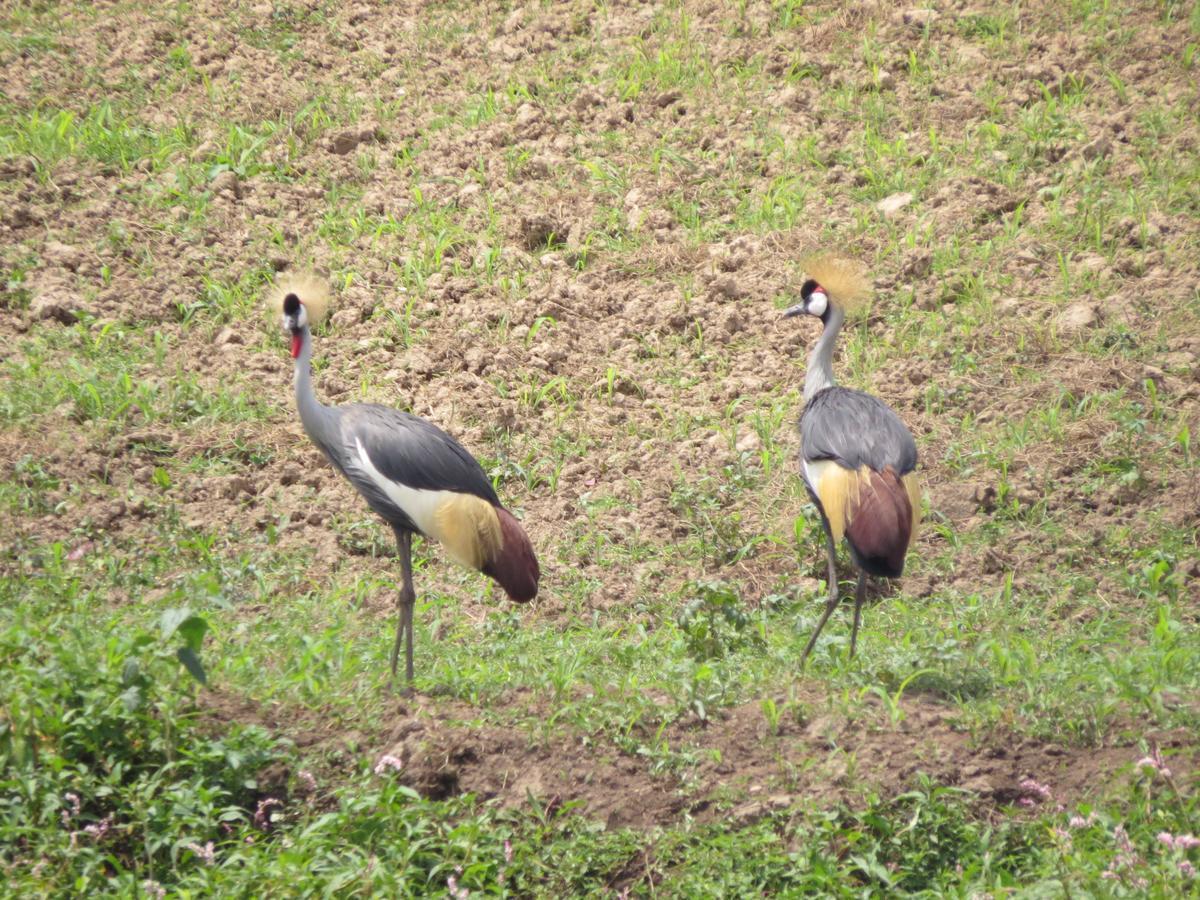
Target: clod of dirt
{"type": "Point", "coordinates": [468, 192]}
{"type": "Point", "coordinates": [619, 115]}
{"type": "Point", "coordinates": [1155, 374]}
{"type": "Point", "coordinates": [748, 442]}
{"type": "Point", "coordinates": [733, 323]}
{"type": "Point", "coordinates": [1078, 317]}
{"type": "Point", "coordinates": [59, 254]}
{"type": "Point", "coordinates": [1092, 262]}
{"type": "Point", "coordinates": [1097, 149]}
{"type": "Point", "coordinates": [527, 115]}
{"type": "Point", "coordinates": [235, 486]}
{"type": "Point", "coordinates": [56, 301]}
{"type": "Point", "coordinates": [344, 318]}
{"type": "Point", "coordinates": [889, 206]}
{"type": "Point", "coordinates": [1139, 234]}
{"type": "Point", "coordinates": [918, 264]}
{"type": "Point", "coordinates": [111, 513]}
{"type": "Point", "coordinates": [227, 183]}
{"type": "Point", "coordinates": [587, 98]}
{"type": "Point", "coordinates": [345, 141]}
{"type": "Point", "coordinates": [726, 286]}
{"type": "Point", "coordinates": [1179, 361]}
{"type": "Point", "coordinates": [984, 496]}
{"type": "Point", "coordinates": [918, 18]}
{"type": "Point", "coordinates": [541, 230]}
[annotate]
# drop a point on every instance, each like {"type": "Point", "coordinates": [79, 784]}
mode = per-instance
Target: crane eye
{"type": "Point", "coordinates": [817, 303]}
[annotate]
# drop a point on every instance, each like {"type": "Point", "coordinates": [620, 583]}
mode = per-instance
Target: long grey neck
{"type": "Point", "coordinates": [819, 374]}
{"type": "Point", "coordinates": [318, 419]}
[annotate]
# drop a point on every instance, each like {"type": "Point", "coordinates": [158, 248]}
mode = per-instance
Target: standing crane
{"type": "Point", "coordinates": [413, 474]}
{"type": "Point", "coordinates": [857, 458]}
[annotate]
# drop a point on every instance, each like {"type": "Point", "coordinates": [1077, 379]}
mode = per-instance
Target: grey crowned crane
{"type": "Point", "coordinates": [857, 458]}
{"type": "Point", "coordinates": [410, 472]}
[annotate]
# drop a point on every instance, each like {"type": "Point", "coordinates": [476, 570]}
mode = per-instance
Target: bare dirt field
{"type": "Point", "coordinates": [564, 232]}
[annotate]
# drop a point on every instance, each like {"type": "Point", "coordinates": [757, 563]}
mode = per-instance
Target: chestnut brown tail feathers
{"type": "Point", "coordinates": [514, 567]}
{"type": "Point", "coordinates": [880, 521]}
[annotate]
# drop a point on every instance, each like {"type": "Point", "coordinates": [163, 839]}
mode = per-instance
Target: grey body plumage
{"type": "Point", "coordinates": [405, 449]}
{"type": "Point", "coordinates": [855, 429]}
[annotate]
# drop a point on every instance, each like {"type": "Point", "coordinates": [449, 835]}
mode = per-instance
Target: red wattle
{"type": "Point", "coordinates": [297, 340]}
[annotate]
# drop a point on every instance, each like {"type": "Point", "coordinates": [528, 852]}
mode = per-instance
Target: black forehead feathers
{"type": "Point", "coordinates": [807, 288]}
{"type": "Point", "coordinates": [291, 305]}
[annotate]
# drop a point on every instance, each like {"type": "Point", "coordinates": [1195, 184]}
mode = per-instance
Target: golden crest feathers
{"type": "Point", "coordinates": [312, 291]}
{"type": "Point", "coordinates": [845, 280]}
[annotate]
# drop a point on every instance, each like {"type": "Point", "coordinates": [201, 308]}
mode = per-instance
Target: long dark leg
{"type": "Point", "coordinates": [832, 602]}
{"type": "Point", "coordinates": [860, 593]}
{"type": "Point", "coordinates": [408, 596]}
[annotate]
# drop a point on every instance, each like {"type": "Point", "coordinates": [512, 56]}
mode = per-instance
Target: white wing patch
{"type": "Point", "coordinates": [814, 472]}
{"type": "Point", "coordinates": [420, 506]}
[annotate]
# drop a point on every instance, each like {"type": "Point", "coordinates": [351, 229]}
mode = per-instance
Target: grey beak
{"type": "Point", "coordinates": [793, 311]}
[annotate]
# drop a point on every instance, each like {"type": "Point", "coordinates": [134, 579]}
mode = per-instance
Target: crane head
{"type": "Point", "coordinates": [814, 301]}
{"type": "Point", "coordinates": [295, 318]}
{"type": "Point", "coordinates": [301, 300]}
{"type": "Point", "coordinates": [832, 281]}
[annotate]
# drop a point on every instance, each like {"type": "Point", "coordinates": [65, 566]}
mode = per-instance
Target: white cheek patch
{"type": "Point", "coordinates": [817, 303]}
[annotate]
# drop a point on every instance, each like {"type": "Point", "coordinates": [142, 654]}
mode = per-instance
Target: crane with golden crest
{"type": "Point", "coordinates": [414, 475]}
{"type": "Point", "coordinates": [857, 458]}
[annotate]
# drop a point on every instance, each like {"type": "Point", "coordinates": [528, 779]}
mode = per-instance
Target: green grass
{"type": "Point", "coordinates": [168, 523]}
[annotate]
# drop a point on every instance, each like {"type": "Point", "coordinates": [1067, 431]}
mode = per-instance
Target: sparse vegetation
{"type": "Point", "coordinates": [563, 231]}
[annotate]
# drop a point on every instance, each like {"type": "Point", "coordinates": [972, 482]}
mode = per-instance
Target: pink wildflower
{"type": "Point", "coordinates": [1081, 822]}
{"type": "Point", "coordinates": [387, 761]}
{"type": "Point", "coordinates": [306, 779]}
{"type": "Point", "coordinates": [1035, 790]}
{"type": "Point", "coordinates": [508, 853]}
{"type": "Point", "coordinates": [262, 816]}
{"type": "Point", "coordinates": [80, 551]}
{"type": "Point", "coordinates": [1121, 836]}
{"type": "Point", "coordinates": [455, 891]}
{"type": "Point", "coordinates": [205, 854]}
{"type": "Point", "coordinates": [154, 889]}
{"type": "Point", "coordinates": [1178, 842]}
{"type": "Point", "coordinates": [99, 830]}
{"type": "Point", "coordinates": [1155, 763]}
{"type": "Point", "coordinates": [1126, 858]}
{"type": "Point", "coordinates": [1186, 869]}
{"type": "Point", "coordinates": [76, 806]}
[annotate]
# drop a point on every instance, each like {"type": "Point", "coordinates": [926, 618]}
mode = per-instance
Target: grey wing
{"type": "Point", "coordinates": [856, 429]}
{"type": "Point", "coordinates": [408, 450]}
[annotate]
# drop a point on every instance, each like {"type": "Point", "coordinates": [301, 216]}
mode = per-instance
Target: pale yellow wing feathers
{"type": "Point", "coordinates": [469, 529]}
{"type": "Point", "coordinates": [912, 484]}
{"type": "Point", "coordinates": [838, 490]}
